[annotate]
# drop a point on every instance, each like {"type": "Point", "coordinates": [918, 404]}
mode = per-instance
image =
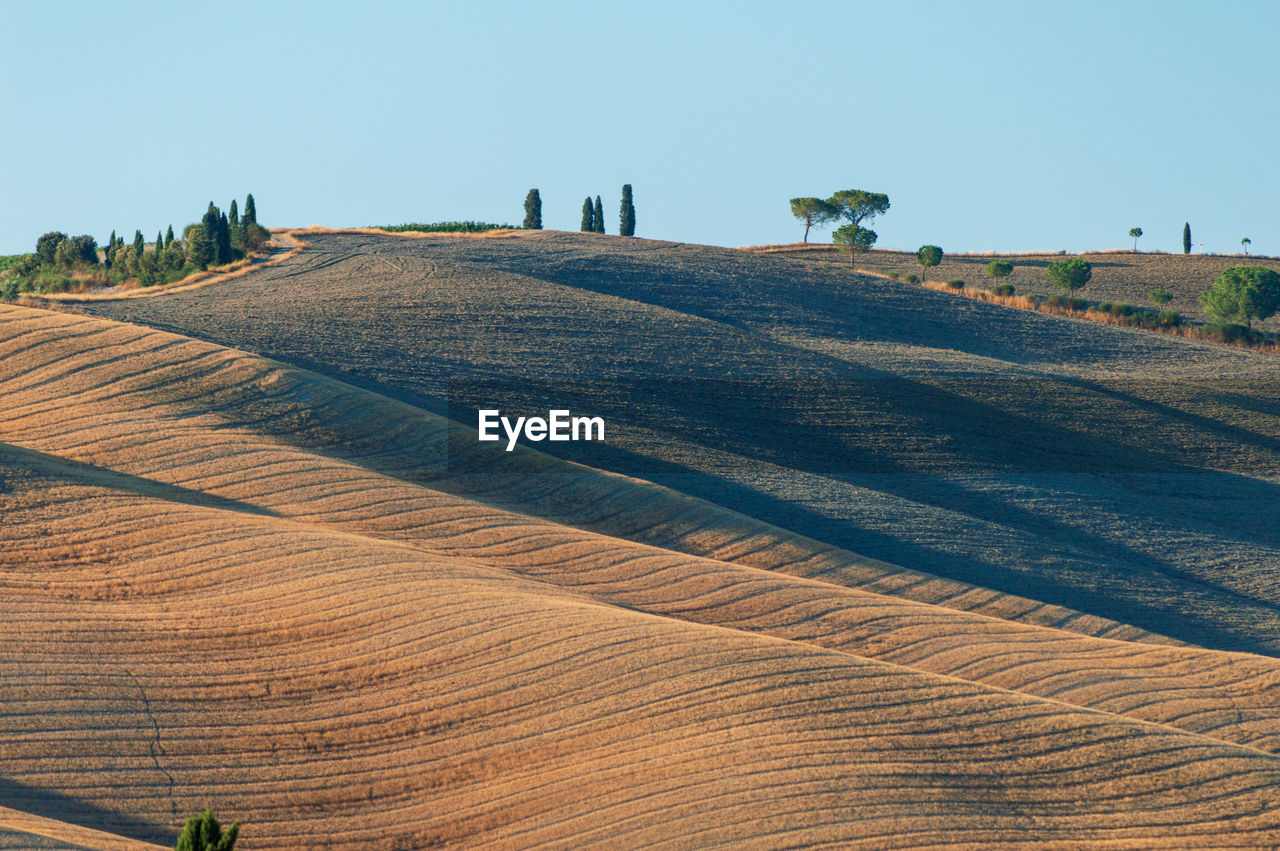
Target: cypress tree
{"type": "Point", "coordinates": [111, 249]}
{"type": "Point", "coordinates": [234, 215]}
{"type": "Point", "coordinates": [598, 215]}
{"type": "Point", "coordinates": [250, 211]}
{"type": "Point", "coordinates": [211, 223]}
{"type": "Point", "coordinates": [627, 215]}
{"type": "Point", "coordinates": [588, 216]}
{"type": "Point", "coordinates": [533, 210]}
{"type": "Point", "coordinates": [1186, 238]}
{"type": "Point", "coordinates": [224, 239]}
{"type": "Point", "coordinates": [159, 242]}
{"type": "Point", "coordinates": [138, 243]}
{"type": "Point", "coordinates": [168, 237]}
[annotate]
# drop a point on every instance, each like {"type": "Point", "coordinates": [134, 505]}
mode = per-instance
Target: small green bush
{"type": "Point", "coordinates": [1159, 296]}
{"type": "Point", "coordinates": [912, 279]}
{"type": "Point", "coordinates": [1228, 332]}
{"type": "Point", "coordinates": [1003, 289]}
{"type": "Point", "coordinates": [893, 276]}
{"type": "Point", "coordinates": [1114, 308]}
{"type": "Point", "coordinates": [956, 283]}
{"type": "Point", "coordinates": [1065, 302]}
{"type": "Point", "coordinates": [1169, 318]}
{"type": "Point", "coordinates": [9, 287]}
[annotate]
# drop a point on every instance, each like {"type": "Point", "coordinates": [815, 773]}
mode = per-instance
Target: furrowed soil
{"type": "Point", "coordinates": [858, 563]}
{"type": "Point", "coordinates": [1118, 276]}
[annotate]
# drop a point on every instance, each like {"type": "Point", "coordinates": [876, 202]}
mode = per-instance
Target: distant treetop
{"type": "Point", "coordinates": [812, 211]}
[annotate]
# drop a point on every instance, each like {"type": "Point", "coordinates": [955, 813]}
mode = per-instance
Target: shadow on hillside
{"type": "Point", "coordinates": [64, 808]}
{"type": "Point", "coordinates": [77, 472]}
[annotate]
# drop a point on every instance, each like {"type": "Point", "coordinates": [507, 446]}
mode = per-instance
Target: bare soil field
{"type": "Point", "coordinates": [856, 565]}
{"type": "Point", "coordinates": [1118, 276]}
{"type": "Point", "coordinates": [1127, 475]}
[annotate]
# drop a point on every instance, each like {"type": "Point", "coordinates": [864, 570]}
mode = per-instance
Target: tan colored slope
{"type": "Point", "coordinates": [101, 422]}
{"type": "Point", "coordinates": [219, 425]}
{"type": "Point", "coordinates": [21, 830]}
{"type": "Point", "coordinates": [90, 389]}
{"type": "Point", "coordinates": [328, 687]}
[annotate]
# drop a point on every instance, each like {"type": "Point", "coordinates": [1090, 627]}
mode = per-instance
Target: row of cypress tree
{"type": "Point", "coordinates": [592, 213]}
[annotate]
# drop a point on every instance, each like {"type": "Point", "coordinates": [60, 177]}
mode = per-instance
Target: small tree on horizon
{"type": "Point", "coordinates": [627, 213]}
{"type": "Point", "coordinates": [250, 211]}
{"type": "Point", "coordinates": [854, 239]}
{"type": "Point", "coordinates": [597, 216]}
{"type": "Point", "coordinates": [533, 210]}
{"type": "Point", "coordinates": [168, 237]}
{"type": "Point", "coordinates": [858, 206]}
{"type": "Point", "coordinates": [110, 256]}
{"type": "Point", "coordinates": [812, 211]}
{"type": "Point", "coordinates": [1070, 275]}
{"type": "Point", "coordinates": [588, 216]}
{"type": "Point", "coordinates": [1245, 243]}
{"type": "Point", "coordinates": [1136, 233]}
{"type": "Point", "coordinates": [138, 243]}
{"type": "Point", "coordinates": [928, 256]}
{"type": "Point", "coordinates": [1186, 238]}
{"type": "Point", "coordinates": [203, 833]}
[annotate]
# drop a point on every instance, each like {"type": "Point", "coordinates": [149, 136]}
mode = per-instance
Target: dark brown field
{"type": "Point", "coordinates": [1118, 276]}
{"type": "Point", "coordinates": [858, 564]}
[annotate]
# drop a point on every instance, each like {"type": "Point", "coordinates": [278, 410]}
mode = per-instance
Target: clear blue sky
{"type": "Point", "coordinates": [991, 126]}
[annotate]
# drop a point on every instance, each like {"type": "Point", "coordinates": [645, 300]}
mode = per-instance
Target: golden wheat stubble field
{"type": "Point", "coordinates": [234, 582]}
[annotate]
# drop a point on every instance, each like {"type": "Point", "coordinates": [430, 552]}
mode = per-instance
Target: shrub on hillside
{"type": "Point", "coordinates": [956, 283]}
{"type": "Point", "coordinates": [254, 235]}
{"type": "Point", "coordinates": [1228, 332]}
{"type": "Point", "coordinates": [912, 279]}
{"type": "Point", "coordinates": [1069, 275]}
{"type": "Point", "coordinates": [1160, 296]}
{"type": "Point", "coordinates": [998, 269]}
{"type": "Point", "coordinates": [1065, 302]}
{"type": "Point", "coordinates": [1003, 289]}
{"type": "Point", "coordinates": [1115, 309]}
{"type": "Point", "coordinates": [1243, 292]}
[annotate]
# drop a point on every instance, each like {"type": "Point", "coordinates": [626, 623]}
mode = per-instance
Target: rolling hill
{"type": "Point", "coordinates": [856, 565]}
{"type": "Point", "coordinates": [1118, 276]}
